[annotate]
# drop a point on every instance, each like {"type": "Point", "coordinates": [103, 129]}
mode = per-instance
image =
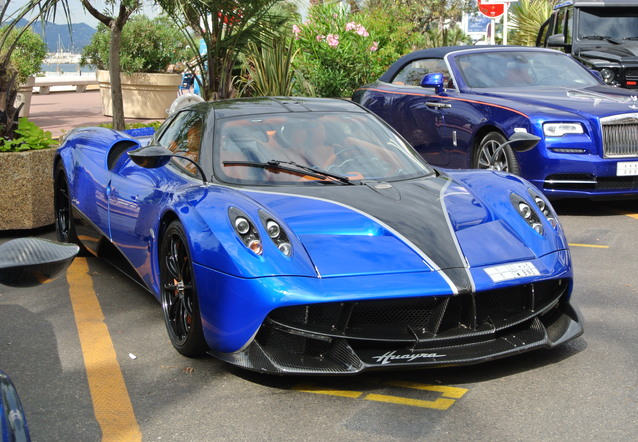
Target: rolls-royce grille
{"type": "Point", "coordinates": [441, 318]}
{"type": "Point", "coordinates": [620, 137]}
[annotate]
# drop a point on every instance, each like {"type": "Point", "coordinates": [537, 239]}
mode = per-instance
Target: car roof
{"type": "Point", "coordinates": [270, 105]}
{"type": "Point", "coordinates": [441, 52]}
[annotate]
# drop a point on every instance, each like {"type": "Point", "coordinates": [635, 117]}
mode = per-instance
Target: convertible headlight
{"type": "Point", "coordinates": [246, 230]}
{"type": "Point", "coordinates": [560, 129]}
{"type": "Point", "coordinates": [276, 233]}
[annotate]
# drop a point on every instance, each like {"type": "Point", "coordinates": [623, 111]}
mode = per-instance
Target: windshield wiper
{"type": "Point", "coordinates": [600, 37]}
{"type": "Point", "coordinates": [293, 168]}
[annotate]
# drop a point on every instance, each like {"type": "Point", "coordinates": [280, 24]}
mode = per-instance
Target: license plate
{"type": "Point", "coordinates": [512, 271]}
{"type": "Point", "coordinates": [627, 168]}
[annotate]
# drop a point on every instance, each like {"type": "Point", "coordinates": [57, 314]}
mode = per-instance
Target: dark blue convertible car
{"type": "Point", "coordinates": [456, 105]}
{"type": "Point", "coordinates": [298, 235]}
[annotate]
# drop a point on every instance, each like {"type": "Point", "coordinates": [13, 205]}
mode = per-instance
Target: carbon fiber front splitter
{"type": "Point", "coordinates": [328, 355]}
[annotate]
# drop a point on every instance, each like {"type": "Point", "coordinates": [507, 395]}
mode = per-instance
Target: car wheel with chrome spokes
{"type": "Point", "coordinates": [490, 154]}
{"type": "Point", "coordinates": [179, 295]}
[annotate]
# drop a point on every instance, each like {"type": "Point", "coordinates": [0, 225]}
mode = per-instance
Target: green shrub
{"type": "Point", "coordinates": [149, 46]}
{"type": "Point", "coordinates": [340, 51]}
{"type": "Point", "coordinates": [29, 53]}
{"type": "Point", "coordinates": [28, 137]}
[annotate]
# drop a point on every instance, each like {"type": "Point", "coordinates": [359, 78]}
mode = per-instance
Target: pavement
{"type": "Point", "coordinates": [60, 112]}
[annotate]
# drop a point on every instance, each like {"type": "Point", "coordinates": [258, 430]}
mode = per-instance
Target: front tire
{"type": "Point", "coordinates": [489, 156]}
{"type": "Point", "coordinates": [64, 224]}
{"type": "Point", "coordinates": [179, 295]}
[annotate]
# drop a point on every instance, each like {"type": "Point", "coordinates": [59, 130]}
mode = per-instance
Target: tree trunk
{"type": "Point", "coordinates": [114, 73]}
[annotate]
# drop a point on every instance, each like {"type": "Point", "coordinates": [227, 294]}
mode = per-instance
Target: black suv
{"type": "Point", "coordinates": [601, 34]}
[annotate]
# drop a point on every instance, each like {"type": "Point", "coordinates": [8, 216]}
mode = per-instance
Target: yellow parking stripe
{"type": "Point", "coordinates": [451, 392]}
{"type": "Point", "coordinates": [595, 246]}
{"type": "Point", "coordinates": [317, 390]}
{"type": "Point", "coordinates": [438, 404]}
{"type": "Point", "coordinates": [111, 403]}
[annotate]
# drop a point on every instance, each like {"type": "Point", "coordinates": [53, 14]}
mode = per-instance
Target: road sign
{"type": "Point", "coordinates": [491, 10]}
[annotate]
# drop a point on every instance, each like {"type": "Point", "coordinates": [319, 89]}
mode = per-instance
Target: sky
{"type": "Point", "coordinates": [79, 15]}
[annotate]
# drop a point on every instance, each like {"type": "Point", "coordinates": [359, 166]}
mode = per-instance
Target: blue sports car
{"type": "Point", "coordinates": [301, 235]}
{"type": "Point", "coordinates": [456, 105]}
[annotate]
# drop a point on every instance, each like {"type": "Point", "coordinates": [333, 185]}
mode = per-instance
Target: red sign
{"type": "Point", "coordinates": [491, 10]}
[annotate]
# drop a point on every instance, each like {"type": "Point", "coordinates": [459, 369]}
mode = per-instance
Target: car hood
{"type": "Point", "coordinates": [429, 224]}
{"type": "Point", "coordinates": [597, 100]}
{"type": "Point", "coordinates": [611, 53]}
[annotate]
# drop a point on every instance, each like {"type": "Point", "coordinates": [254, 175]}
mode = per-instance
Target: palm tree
{"type": "Point", "coordinates": [527, 16]}
{"type": "Point", "coordinates": [36, 10]}
{"type": "Point", "coordinates": [226, 27]}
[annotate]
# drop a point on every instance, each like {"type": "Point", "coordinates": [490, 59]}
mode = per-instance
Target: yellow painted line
{"type": "Point", "coordinates": [341, 393]}
{"type": "Point", "coordinates": [450, 392]}
{"type": "Point", "coordinates": [111, 403]}
{"type": "Point", "coordinates": [438, 404]}
{"type": "Point", "coordinates": [624, 212]}
{"type": "Point", "coordinates": [595, 246]}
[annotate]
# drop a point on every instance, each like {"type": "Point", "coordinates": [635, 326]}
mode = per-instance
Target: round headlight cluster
{"type": "Point", "coordinates": [533, 215]}
{"type": "Point", "coordinates": [276, 233]}
{"type": "Point", "coordinates": [545, 210]}
{"type": "Point", "coordinates": [608, 75]}
{"type": "Point", "coordinates": [246, 230]}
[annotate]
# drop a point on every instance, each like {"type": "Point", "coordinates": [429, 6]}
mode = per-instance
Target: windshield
{"type": "Point", "coordinates": [522, 68]}
{"type": "Point", "coordinates": [311, 148]}
{"type": "Point", "coordinates": [612, 23]}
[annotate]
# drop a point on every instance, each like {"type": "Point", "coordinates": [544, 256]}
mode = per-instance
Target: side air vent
{"type": "Point", "coordinates": [117, 150]}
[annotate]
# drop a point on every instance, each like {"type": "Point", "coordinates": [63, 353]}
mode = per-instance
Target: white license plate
{"type": "Point", "coordinates": [627, 168]}
{"type": "Point", "coordinates": [512, 271]}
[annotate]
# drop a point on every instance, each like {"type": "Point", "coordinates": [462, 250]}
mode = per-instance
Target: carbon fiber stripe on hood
{"type": "Point", "coordinates": [414, 210]}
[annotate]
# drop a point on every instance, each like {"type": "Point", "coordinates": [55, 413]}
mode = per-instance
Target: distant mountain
{"type": "Point", "coordinates": [58, 37]}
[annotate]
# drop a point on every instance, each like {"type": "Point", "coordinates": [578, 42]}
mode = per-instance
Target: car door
{"type": "Point", "coordinates": [136, 195]}
{"type": "Point", "coordinates": [416, 112]}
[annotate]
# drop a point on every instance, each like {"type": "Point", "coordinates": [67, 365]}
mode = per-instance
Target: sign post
{"type": "Point", "coordinates": [494, 9]}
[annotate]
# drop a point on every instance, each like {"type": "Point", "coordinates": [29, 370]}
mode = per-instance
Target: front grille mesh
{"type": "Point", "coordinates": [620, 137]}
{"type": "Point", "coordinates": [422, 319]}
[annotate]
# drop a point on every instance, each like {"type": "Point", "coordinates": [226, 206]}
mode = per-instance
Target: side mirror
{"type": "Point", "coordinates": [556, 40]}
{"type": "Point", "coordinates": [151, 157]}
{"type": "Point", "coordinates": [155, 156]}
{"type": "Point", "coordinates": [522, 141]}
{"type": "Point", "coordinates": [434, 80]}
{"type": "Point", "coordinates": [27, 262]}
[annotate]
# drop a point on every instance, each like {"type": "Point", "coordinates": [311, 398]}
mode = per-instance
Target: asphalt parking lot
{"type": "Point", "coordinates": [91, 360]}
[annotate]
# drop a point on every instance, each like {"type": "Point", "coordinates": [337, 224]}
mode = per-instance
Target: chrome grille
{"type": "Point", "coordinates": [620, 136]}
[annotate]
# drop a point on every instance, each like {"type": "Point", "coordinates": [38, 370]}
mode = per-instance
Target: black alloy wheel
{"type": "Point", "coordinates": [179, 295]}
{"type": "Point", "coordinates": [64, 225]}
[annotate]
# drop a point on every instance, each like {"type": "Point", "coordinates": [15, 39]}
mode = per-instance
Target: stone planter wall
{"type": "Point", "coordinates": [26, 189]}
{"type": "Point", "coordinates": [25, 92]}
{"type": "Point", "coordinates": [145, 95]}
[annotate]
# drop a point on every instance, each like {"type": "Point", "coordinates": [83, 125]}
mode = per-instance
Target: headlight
{"type": "Point", "coordinates": [276, 233]}
{"type": "Point", "coordinates": [608, 75]}
{"type": "Point", "coordinates": [527, 212]}
{"type": "Point", "coordinates": [246, 230]}
{"type": "Point", "coordinates": [560, 129]}
{"type": "Point", "coordinates": [545, 209]}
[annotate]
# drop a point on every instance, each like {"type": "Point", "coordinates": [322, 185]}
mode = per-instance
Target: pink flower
{"type": "Point", "coordinates": [374, 47]}
{"type": "Point", "coordinates": [320, 37]}
{"type": "Point", "coordinates": [362, 31]}
{"type": "Point", "coordinates": [296, 31]}
{"type": "Point", "coordinates": [351, 26]}
{"type": "Point", "coordinates": [333, 40]}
